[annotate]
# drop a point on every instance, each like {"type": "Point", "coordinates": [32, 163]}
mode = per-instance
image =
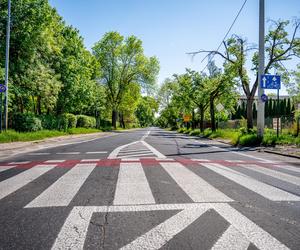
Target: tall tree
{"type": "Point", "coordinates": [280, 46]}
{"type": "Point", "coordinates": [123, 62]}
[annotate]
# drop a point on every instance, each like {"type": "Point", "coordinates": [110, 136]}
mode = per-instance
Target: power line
{"type": "Point", "coordinates": [236, 17]}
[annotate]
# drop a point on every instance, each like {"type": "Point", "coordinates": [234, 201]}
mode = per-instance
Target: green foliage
{"type": "Point", "coordinates": [84, 121]}
{"type": "Point", "coordinates": [27, 123]}
{"type": "Point", "coordinates": [72, 120]}
{"type": "Point", "coordinates": [195, 132]}
{"type": "Point", "coordinates": [249, 140]}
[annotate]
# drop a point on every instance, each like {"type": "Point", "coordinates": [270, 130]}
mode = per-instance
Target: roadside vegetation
{"type": "Point", "coordinates": [56, 84]}
{"type": "Point", "coordinates": [240, 137]}
{"type": "Point", "coordinates": [221, 102]}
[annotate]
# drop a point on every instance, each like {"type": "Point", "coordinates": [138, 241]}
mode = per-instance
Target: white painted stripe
{"type": "Point", "coordinates": [231, 239]}
{"type": "Point", "coordinates": [240, 232]}
{"type": "Point", "coordinates": [68, 153]}
{"type": "Point", "coordinates": [54, 161]}
{"type": "Point", "coordinates": [3, 168]}
{"type": "Point", "coordinates": [19, 162]}
{"type": "Point", "coordinates": [234, 161]}
{"type": "Point", "coordinates": [288, 167]}
{"type": "Point", "coordinates": [146, 135]}
{"type": "Point", "coordinates": [14, 183]}
{"type": "Point", "coordinates": [116, 151]}
{"type": "Point", "coordinates": [90, 160]}
{"type": "Point", "coordinates": [193, 185]}
{"type": "Point", "coordinates": [161, 234]}
{"type": "Point", "coordinates": [167, 159]}
{"type": "Point", "coordinates": [201, 160]}
{"type": "Point", "coordinates": [130, 159]}
{"type": "Point", "coordinates": [275, 174]}
{"type": "Point", "coordinates": [73, 233]}
{"type": "Point", "coordinates": [96, 152]}
{"type": "Point", "coordinates": [256, 235]}
{"type": "Point", "coordinates": [135, 155]}
{"type": "Point", "coordinates": [265, 190]}
{"type": "Point", "coordinates": [156, 152]}
{"type": "Point", "coordinates": [132, 186]}
{"type": "Point", "coordinates": [61, 192]}
{"type": "Point", "coordinates": [39, 154]}
{"type": "Point", "coordinates": [134, 152]}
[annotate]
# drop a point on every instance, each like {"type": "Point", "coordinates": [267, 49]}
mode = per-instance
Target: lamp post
{"type": "Point", "coordinates": [261, 68]}
{"type": "Point", "coordinates": [7, 65]}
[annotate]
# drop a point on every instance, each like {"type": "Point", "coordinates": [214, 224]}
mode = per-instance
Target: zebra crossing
{"type": "Point", "coordinates": [134, 192]}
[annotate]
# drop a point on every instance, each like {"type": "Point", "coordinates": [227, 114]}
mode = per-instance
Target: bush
{"type": "Point", "coordinates": [49, 122]}
{"type": "Point", "coordinates": [27, 123]}
{"type": "Point", "coordinates": [181, 130]}
{"type": "Point", "coordinates": [249, 140]}
{"type": "Point", "coordinates": [72, 120]}
{"type": "Point", "coordinates": [84, 121]}
{"type": "Point", "coordinates": [187, 131]}
{"type": "Point", "coordinates": [195, 132]}
{"type": "Point", "coordinates": [269, 140]}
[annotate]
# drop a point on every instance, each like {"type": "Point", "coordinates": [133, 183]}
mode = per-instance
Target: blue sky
{"type": "Point", "coordinates": [170, 28]}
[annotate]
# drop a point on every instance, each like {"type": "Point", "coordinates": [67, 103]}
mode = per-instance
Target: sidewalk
{"type": "Point", "coordinates": [286, 150]}
{"type": "Point", "coordinates": [14, 148]}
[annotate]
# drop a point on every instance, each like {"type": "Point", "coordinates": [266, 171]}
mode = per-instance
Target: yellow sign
{"type": "Point", "coordinates": [186, 118]}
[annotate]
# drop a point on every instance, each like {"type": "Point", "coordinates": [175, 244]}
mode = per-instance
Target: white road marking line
{"type": "Point", "coordinates": [90, 160]}
{"type": "Point", "coordinates": [238, 153]}
{"type": "Point", "coordinates": [265, 190]}
{"type": "Point", "coordinates": [161, 234]}
{"type": "Point", "coordinates": [14, 183]}
{"type": "Point", "coordinates": [132, 186]}
{"type": "Point", "coordinates": [19, 162]}
{"type": "Point", "coordinates": [231, 239]}
{"type": "Point", "coordinates": [3, 168]}
{"type": "Point", "coordinates": [234, 161]}
{"type": "Point", "coordinates": [96, 152]}
{"type": "Point", "coordinates": [68, 153]}
{"type": "Point", "coordinates": [134, 152]}
{"type": "Point", "coordinates": [287, 167]}
{"type": "Point", "coordinates": [193, 185]}
{"type": "Point", "coordinates": [54, 161]}
{"type": "Point", "coordinates": [73, 233]}
{"type": "Point", "coordinates": [39, 154]}
{"type": "Point", "coordinates": [130, 159]}
{"type": "Point", "coordinates": [61, 192]}
{"type": "Point", "coordinates": [146, 135]}
{"type": "Point", "coordinates": [116, 151]}
{"type": "Point", "coordinates": [273, 173]}
{"type": "Point", "coordinates": [256, 235]}
{"type": "Point", "coordinates": [136, 155]}
{"type": "Point", "coordinates": [201, 160]}
{"type": "Point", "coordinates": [156, 152]}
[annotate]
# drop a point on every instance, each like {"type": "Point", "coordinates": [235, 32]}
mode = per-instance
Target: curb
{"type": "Point", "coordinates": [278, 153]}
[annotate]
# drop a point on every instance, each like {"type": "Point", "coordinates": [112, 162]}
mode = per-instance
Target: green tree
{"type": "Point", "coordinates": [146, 110]}
{"type": "Point", "coordinates": [279, 48]}
{"type": "Point", "coordinates": [123, 62]}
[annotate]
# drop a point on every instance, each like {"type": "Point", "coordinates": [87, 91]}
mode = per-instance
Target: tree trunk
{"type": "Point", "coordinates": [114, 118]}
{"type": "Point", "coordinates": [212, 114]}
{"type": "Point", "coordinates": [249, 113]}
{"type": "Point", "coordinates": [38, 105]}
{"type": "Point", "coordinates": [193, 119]}
{"type": "Point", "coordinates": [201, 112]}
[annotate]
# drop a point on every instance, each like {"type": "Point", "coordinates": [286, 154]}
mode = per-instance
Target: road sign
{"type": "Point", "coordinates": [186, 118]}
{"type": "Point", "coordinates": [270, 82]}
{"type": "Point", "coordinates": [2, 88]}
{"type": "Point", "coordinates": [277, 123]}
{"type": "Point", "coordinates": [264, 97]}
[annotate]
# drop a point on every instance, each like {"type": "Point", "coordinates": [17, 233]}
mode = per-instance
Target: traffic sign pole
{"type": "Point", "coordinates": [260, 103]}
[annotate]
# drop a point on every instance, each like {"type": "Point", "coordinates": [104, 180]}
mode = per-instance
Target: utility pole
{"type": "Point", "coordinates": [7, 64]}
{"type": "Point", "coordinates": [261, 68]}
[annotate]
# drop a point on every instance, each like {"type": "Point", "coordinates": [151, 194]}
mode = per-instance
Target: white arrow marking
{"type": "Point", "coordinates": [264, 81]}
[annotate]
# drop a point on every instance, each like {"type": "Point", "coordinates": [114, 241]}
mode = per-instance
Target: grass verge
{"type": "Point", "coordinates": [13, 136]}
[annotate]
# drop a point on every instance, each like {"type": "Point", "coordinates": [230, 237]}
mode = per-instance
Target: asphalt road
{"type": "Point", "coordinates": [149, 189]}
